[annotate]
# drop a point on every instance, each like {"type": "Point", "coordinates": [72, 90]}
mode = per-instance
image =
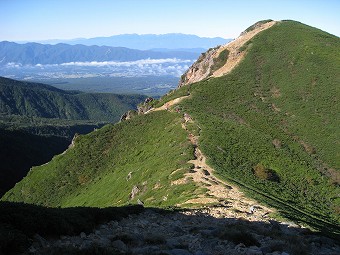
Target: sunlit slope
{"type": "Point", "coordinates": [272, 124]}
{"type": "Point", "coordinates": [104, 167]}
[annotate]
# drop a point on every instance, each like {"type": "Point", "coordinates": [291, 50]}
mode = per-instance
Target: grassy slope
{"type": "Point", "coordinates": [94, 172]}
{"type": "Point", "coordinates": [294, 67]}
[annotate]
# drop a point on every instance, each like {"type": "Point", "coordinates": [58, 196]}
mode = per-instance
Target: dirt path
{"type": "Point", "coordinates": [227, 199]}
{"type": "Point", "coordinates": [221, 199]}
{"type": "Point", "coordinates": [167, 105]}
{"type": "Point", "coordinates": [202, 68]}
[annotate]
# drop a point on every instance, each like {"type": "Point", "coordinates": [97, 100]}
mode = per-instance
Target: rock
{"type": "Point", "coordinates": [200, 253]}
{"type": "Point", "coordinates": [148, 100]}
{"type": "Point", "coordinates": [119, 245]}
{"type": "Point", "coordinates": [240, 247]}
{"type": "Point", "coordinates": [128, 115]}
{"type": "Point", "coordinates": [32, 250]}
{"type": "Point", "coordinates": [200, 69]}
{"type": "Point", "coordinates": [134, 192]}
{"type": "Point", "coordinates": [86, 244]}
{"type": "Point", "coordinates": [194, 232]}
{"type": "Point", "coordinates": [277, 143]}
{"type": "Point", "coordinates": [128, 177]}
{"type": "Point", "coordinates": [172, 243]}
{"type": "Point", "coordinates": [274, 253]}
{"type": "Point", "coordinates": [140, 202]}
{"type": "Point", "coordinates": [206, 172]}
{"type": "Point", "coordinates": [178, 229]}
{"type": "Point", "coordinates": [40, 240]}
{"type": "Point", "coordinates": [253, 251]}
{"type": "Point", "coordinates": [179, 252]}
{"type": "Point", "coordinates": [266, 249]}
{"type": "Point", "coordinates": [207, 232]}
{"type": "Point", "coordinates": [252, 209]}
{"type": "Point", "coordinates": [148, 250]}
{"type": "Point", "coordinates": [176, 243]}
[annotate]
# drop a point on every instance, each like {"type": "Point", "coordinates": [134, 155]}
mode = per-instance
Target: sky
{"type": "Point", "coordinates": [33, 20]}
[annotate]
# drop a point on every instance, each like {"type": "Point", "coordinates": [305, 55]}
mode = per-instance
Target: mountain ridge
{"type": "Point", "coordinates": [147, 41]}
{"type": "Point", "coordinates": [34, 53]}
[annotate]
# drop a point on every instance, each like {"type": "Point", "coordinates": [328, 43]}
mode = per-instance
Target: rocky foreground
{"type": "Point", "coordinates": [190, 232]}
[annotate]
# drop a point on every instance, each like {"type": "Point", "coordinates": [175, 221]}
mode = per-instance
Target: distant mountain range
{"type": "Point", "coordinates": [35, 53]}
{"type": "Point", "coordinates": [147, 41]}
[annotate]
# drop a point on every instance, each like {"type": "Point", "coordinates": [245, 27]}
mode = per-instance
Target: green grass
{"type": "Point", "coordinates": [285, 89]}
{"type": "Point", "coordinates": [94, 172]}
{"type": "Point", "coordinates": [219, 61]}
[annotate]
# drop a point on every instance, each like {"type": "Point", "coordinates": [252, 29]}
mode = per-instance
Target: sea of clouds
{"type": "Point", "coordinates": [169, 66]}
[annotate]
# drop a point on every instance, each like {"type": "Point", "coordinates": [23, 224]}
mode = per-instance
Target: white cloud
{"type": "Point", "coordinates": [129, 63]}
{"type": "Point", "coordinates": [12, 64]}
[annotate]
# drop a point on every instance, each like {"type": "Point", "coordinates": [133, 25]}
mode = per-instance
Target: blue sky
{"type": "Point", "coordinates": [66, 19]}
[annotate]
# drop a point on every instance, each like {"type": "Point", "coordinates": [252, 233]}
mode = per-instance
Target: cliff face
{"type": "Point", "coordinates": [221, 60]}
{"type": "Point", "coordinates": [200, 69]}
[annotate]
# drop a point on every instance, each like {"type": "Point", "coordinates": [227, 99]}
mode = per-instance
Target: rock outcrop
{"type": "Point", "coordinates": [128, 115]}
{"type": "Point", "coordinates": [208, 64]}
{"type": "Point", "coordinates": [190, 232]}
{"type": "Point", "coordinates": [141, 109]}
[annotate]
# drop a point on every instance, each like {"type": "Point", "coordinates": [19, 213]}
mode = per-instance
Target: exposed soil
{"type": "Point", "coordinates": [202, 68]}
{"type": "Point", "coordinates": [223, 199]}
{"type": "Point", "coordinates": [227, 199]}
{"type": "Point", "coordinates": [235, 56]}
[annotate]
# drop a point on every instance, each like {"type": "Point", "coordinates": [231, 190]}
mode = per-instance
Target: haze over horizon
{"type": "Point", "coordinates": [32, 20]}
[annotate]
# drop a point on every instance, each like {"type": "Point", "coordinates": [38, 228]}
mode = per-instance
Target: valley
{"type": "Point", "coordinates": [38, 121]}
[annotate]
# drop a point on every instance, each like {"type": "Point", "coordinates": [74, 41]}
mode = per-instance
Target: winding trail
{"type": "Point", "coordinates": [221, 198]}
{"type": "Point", "coordinates": [168, 104]}
{"type": "Point", "coordinates": [225, 200]}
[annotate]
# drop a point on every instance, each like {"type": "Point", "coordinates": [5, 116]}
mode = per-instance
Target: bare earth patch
{"type": "Point", "coordinates": [235, 56]}
{"type": "Point", "coordinates": [202, 68]}
{"type": "Point", "coordinates": [228, 200]}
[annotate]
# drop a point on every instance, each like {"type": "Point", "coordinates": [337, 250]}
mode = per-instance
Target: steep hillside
{"type": "Point", "coordinates": [270, 126]}
{"type": "Point", "coordinates": [44, 101]}
{"type": "Point", "coordinates": [19, 151]}
{"type": "Point", "coordinates": [115, 165]}
{"type": "Point", "coordinates": [222, 59]}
